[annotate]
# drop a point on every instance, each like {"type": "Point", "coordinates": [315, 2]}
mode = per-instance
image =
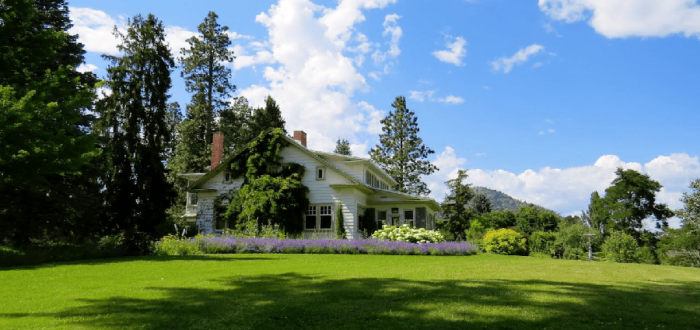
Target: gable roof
{"type": "Point", "coordinates": [225, 164]}
{"type": "Point", "coordinates": [353, 159]}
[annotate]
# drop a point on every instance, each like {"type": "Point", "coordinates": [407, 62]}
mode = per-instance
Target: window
{"type": "Point", "coordinates": [320, 173]}
{"type": "Point", "coordinates": [394, 210]}
{"type": "Point", "coordinates": [192, 199]}
{"type": "Point", "coordinates": [408, 218]}
{"type": "Point", "coordinates": [319, 217]}
{"type": "Point", "coordinates": [381, 219]}
{"type": "Point", "coordinates": [372, 180]}
{"type": "Point", "coordinates": [228, 176]}
{"type": "Point", "coordinates": [311, 218]}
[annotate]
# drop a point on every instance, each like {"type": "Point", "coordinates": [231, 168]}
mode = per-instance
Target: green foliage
{"type": "Point", "coordinates": [475, 234]}
{"type": "Point", "coordinates": [339, 223]}
{"type": "Point", "coordinates": [680, 247]}
{"type": "Point", "coordinates": [400, 151]}
{"type": "Point", "coordinates": [48, 187]}
{"type": "Point", "coordinates": [505, 241]}
{"type": "Point", "coordinates": [620, 247]}
{"type": "Point", "coordinates": [269, 117]}
{"type": "Point", "coordinates": [405, 233]}
{"type": "Point", "coordinates": [629, 200]}
{"type": "Point", "coordinates": [455, 208]}
{"type": "Point", "coordinates": [531, 219]}
{"type": "Point", "coordinates": [276, 198]}
{"type": "Point", "coordinates": [480, 204]}
{"type": "Point", "coordinates": [175, 246]}
{"type": "Point", "coordinates": [546, 243]}
{"type": "Point", "coordinates": [498, 219]}
{"type": "Point", "coordinates": [342, 147]}
{"type": "Point", "coordinates": [499, 200]}
{"type": "Point", "coordinates": [690, 214]}
{"type": "Point", "coordinates": [135, 129]}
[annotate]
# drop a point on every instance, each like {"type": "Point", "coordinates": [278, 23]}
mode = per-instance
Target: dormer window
{"type": "Point", "coordinates": [320, 173]}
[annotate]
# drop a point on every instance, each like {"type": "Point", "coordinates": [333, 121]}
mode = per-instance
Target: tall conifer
{"type": "Point", "coordinates": [401, 152]}
{"type": "Point", "coordinates": [135, 119]}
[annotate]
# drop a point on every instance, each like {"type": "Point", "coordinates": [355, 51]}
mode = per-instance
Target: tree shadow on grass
{"type": "Point", "coordinates": [293, 301]}
{"type": "Point", "coordinates": [152, 258]}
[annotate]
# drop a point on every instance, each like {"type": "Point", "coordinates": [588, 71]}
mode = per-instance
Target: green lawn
{"type": "Point", "coordinates": [348, 292]}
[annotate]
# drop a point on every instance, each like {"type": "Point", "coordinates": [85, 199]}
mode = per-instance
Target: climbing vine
{"type": "Point", "coordinates": [271, 193]}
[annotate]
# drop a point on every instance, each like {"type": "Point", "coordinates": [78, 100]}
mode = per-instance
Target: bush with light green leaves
{"type": "Point", "coordinates": [504, 241]}
{"type": "Point", "coordinates": [405, 233]}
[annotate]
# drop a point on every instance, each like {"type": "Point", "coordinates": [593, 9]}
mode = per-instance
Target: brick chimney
{"type": "Point", "coordinates": [217, 150]}
{"type": "Point", "coordinates": [300, 137]}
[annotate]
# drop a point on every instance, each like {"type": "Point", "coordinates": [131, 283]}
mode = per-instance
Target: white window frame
{"type": "Point", "coordinates": [319, 210]}
{"type": "Point", "coordinates": [381, 222]}
{"type": "Point", "coordinates": [189, 199]}
{"type": "Point", "coordinates": [323, 173]}
{"type": "Point", "coordinates": [230, 177]}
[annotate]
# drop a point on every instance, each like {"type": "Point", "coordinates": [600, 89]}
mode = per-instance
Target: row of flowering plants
{"type": "Point", "coordinates": [405, 233]}
{"type": "Point", "coordinates": [214, 245]}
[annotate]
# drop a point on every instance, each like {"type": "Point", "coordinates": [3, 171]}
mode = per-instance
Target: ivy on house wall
{"type": "Point", "coordinates": [271, 193]}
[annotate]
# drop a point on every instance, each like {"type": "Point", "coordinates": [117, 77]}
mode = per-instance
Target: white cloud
{"type": "Point", "coordinates": [629, 18]}
{"type": "Point", "coordinates": [86, 68]}
{"type": "Point", "coordinates": [506, 64]}
{"type": "Point", "coordinates": [420, 96]}
{"type": "Point", "coordinates": [394, 31]}
{"type": "Point", "coordinates": [308, 73]}
{"type": "Point", "coordinates": [94, 29]}
{"type": "Point", "coordinates": [451, 99]}
{"type": "Point", "coordinates": [177, 37]}
{"type": "Point", "coordinates": [568, 190]}
{"type": "Point", "coordinates": [455, 53]}
{"type": "Point", "coordinates": [480, 154]}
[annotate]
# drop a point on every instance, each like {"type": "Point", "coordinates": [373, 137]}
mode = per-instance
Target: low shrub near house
{"type": "Point", "coordinates": [405, 233]}
{"type": "Point", "coordinates": [224, 245]}
{"type": "Point", "coordinates": [505, 241]}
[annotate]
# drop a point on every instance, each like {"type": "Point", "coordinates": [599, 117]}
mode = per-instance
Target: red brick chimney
{"type": "Point", "coordinates": [217, 150]}
{"type": "Point", "coordinates": [300, 137]}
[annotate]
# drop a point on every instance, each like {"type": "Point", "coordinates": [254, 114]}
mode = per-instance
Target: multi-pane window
{"type": "Point", "coordinates": [193, 199]}
{"type": "Point", "coordinates": [408, 218]}
{"type": "Point", "coordinates": [372, 180]}
{"type": "Point", "coordinates": [311, 217]}
{"type": "Point", "coordinates": [319, 217]}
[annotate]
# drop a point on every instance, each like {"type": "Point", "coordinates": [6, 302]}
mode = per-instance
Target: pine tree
{"type": "Point", "coordinates": [342, 147]}
{"type": "Point", "coordinates": [236, 125]}
{"type": "Point", "coordinates": [43, 125]}
{"type": "Point", "coordinates": [455, 206]}
{"type": "Point", "coordinates": [135, 120]}
{"type": "Point", "coordinates": [401, 152]}
{"type": "Point", "coordinates": [207, 78]}
{"type": "Point", "coordinates": [268, 117]}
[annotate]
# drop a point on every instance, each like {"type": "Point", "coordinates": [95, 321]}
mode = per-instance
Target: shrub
{"type": "Point", "coordinates": [680, 247]}
{"type": "Point", "coordinates": [174, 246]}
{"type": "Point", "coordinates": [545, 243]}
{"type": "Point", "coordinates": [339, 223]}
{"type": "Point", "coordinates": [405, 233]}
{"type": "Point", "coordinates": [475, 234]}
{"type": "Point", "coordinates": [504, 241]}
{"type": "Point", "coordinates": [620, 247]}
{"type": "Point", "coordinates": [575, 254]}
{"type": "Point", "coordinates": [646, 255]}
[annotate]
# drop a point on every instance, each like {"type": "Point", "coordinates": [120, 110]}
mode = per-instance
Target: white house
{"type": "Point", "coordinates": [358, 184]}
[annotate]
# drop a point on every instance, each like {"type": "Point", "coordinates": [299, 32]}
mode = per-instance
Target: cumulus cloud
{"type": "Point", "coordinates": [629, 18]}
{"type": "Point", "coordinates": [86, 67]}
{"type": "Point", "coordinates": [506, 64]}
{"type": "Point", "coordinates": [95, 30]}
{"type": "Point", "coordinates": [568, 190]}
{"type": "Point", "coordinates": [454, 53]}
{"type": "Point", "coordinates": [308, 73]}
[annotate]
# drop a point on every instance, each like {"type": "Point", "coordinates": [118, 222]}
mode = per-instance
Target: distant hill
{"type": "Point", "coordinates": [501, 201]}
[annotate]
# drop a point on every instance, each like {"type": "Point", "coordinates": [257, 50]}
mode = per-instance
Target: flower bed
{"type": "Point", "coordinates": [405, 233]}
{"type": "Point", "coordinates": [213, 245]}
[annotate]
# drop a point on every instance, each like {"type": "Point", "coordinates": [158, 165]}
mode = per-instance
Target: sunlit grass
{"type": "Point", "coordinates": [348, 291]}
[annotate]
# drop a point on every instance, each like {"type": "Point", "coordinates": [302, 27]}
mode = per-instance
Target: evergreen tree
{"type": "Point", "coordinates": [480, 204]}
{"type": "Point", "coordinates": [455, 208]}
{"type": "Point", "coordinates": [43, 125]}
{"type": "Point", "coordinates": [342, 147]}
{"type": "Point", "coordinates": [268, 117]}
{"type": "Point", "coordinates": [207, 78]}
{"type": "Point", "coordinates": [401, 152]}
{"type": "Point", "coordinates": [236, 125]}
{"type": "Point", "coordinates": [134, 118]}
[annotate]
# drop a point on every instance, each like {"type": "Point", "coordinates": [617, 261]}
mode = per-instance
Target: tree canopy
{"type": "Point", "coordinates": [401, 152]}
{"type": "Point", "coordinates": [342, 147]}
{"type": "Point", "coordinates": [455, 209]}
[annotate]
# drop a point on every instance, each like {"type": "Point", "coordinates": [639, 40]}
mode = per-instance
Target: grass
{"type": "Point", "coordinates": [348, 292]}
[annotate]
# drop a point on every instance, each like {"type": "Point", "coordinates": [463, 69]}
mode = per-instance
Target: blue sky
{"type": "Point", "coordinates": [542, 100]}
